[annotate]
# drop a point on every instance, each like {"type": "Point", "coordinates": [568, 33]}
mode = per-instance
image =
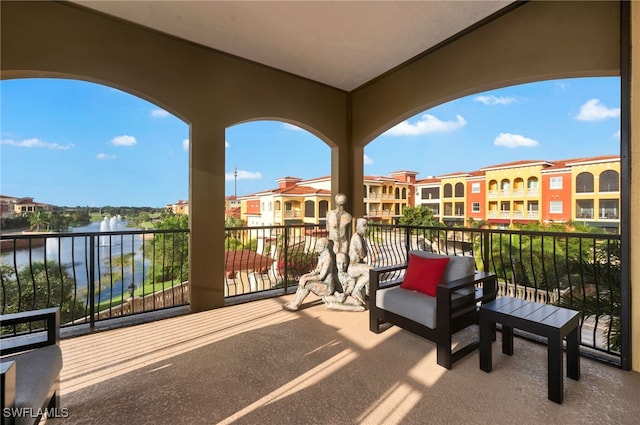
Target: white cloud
{"type": "Point", "coordinates": [159, 113]}
{"type": "Point", "coordinates": [616, 135]}
{"type": "Point", "coordinates": [561, 86]}
{"type": "Point", "coordinates": [123, 141]}
{"type": "Point", "coordinates": [593, 110]}
{"type": "Point", "coordinates": [185, 145]}
{"type": "Point", "coordinates": [427, 124]}
{"type": "Point", "coordinates": [36, 143]}
{"type": "Point", "coordinates": [495, 100]}
{"type": "Point", "coordinates": [367, 160]}
{"type": "Point", "coordinates": [226, 144]}
{"type": "Point", "coordinates": [244, 175]}
{"type": "Point", "coordinates": [288, 126]}
{"type": "Point", "coordinates": [509, 140]}
{"type": "Point", "coordinates": [105, 156]}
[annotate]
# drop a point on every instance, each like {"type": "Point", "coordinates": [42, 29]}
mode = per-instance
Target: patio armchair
{"type": "Point", "coordinates": [30, 366]}
{"type": "Point", "coordinates": [449, 304]}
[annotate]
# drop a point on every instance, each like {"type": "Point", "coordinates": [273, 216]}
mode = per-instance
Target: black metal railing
{"type": "Point", "coordinates": [269, 259]}
{"type": "Point", "coordinates": [101, 275]}
{"type": "Point", "coordinates": [94, 276]}
{"type": "Point", "coordinates": [575, 270]}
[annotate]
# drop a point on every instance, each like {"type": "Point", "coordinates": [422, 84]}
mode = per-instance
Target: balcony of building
{"type": "Point", "coordinates": [252, 362]}
{"type": "Point", "coordinates": [255, 363]}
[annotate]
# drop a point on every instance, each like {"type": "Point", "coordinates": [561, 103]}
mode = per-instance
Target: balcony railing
{"type": "Point", "coordinates": [94, 276]}
{"type": "Point", "coordinates": [578, 271]}
{"type": "Point", "coordinates": [102, 275]}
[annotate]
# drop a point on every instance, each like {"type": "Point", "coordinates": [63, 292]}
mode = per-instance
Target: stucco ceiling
{"type": "Point", "coordinates": [343, 44]}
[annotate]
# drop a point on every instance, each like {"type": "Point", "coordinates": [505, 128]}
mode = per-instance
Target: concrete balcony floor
{"type": "Point", "coordinates": [254, 363]}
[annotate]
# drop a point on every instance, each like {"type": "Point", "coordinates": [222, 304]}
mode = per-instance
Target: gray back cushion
{"type": "Point", "coordinates": [457, 268]}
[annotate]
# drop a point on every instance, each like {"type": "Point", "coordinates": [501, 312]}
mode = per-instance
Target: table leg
{"type": "Point", "coordinates": [573, 354]}
{"type": "Point", "coordinates": [554, 368]}
{"type": "Point", "coordinates": [486, 362]}
{"type": "Point", "coordinates": [507, 339]}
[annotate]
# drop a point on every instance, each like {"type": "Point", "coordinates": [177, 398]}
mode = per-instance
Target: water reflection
{"type": "Point", "coordinates": [119, 258]}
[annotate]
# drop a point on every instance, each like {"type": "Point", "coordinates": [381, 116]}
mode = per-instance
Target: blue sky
{"type": "Point", "coordinates": [72, 143]}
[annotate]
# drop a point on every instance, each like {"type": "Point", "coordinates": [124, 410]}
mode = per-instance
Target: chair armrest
{"type": "Point", "coordinates": [17, 343]}
{"type": "Point", "coordinates": [8, 383]}
{"type": "Point", "coordinates": [448, 308]}
{"type": "Point", "coordinates": [487, 279]}
{"type": "Point", "coordinates": [375, 273]}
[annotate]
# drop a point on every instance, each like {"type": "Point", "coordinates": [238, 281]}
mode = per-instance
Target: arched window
{"type": "Point", "coordinates": [518, 183]}
{"type": "Point", "coordinates": [397, 193]}
{"type": "Point", "coordinates": [609, 181]}
{"type": "Point", "coordinates": [532, 183]}
{"type": "Point", "coordinates": [584, 183]}
{"type": "Point", "coordinates": [448, 191]}
{"type": "Point", "coordinates": [493, 185]}
{"type": "Point", "coordinates": [309, 209]}
{"type": "Point", "coordinates": [404, 193]}
{"type": "Point", "coordinates": [505, 185]}
{"type": "Point", "coordinates": [323, 207]}
{"type": "Point", "coordinates": [459, 190]}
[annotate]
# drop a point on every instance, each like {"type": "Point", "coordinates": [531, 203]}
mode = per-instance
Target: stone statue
{"type": "Point", "coordinates": [321, 280]}
{"type": "Point", "coordinates": [341, 276]}
{"type": "Point", "coordinates": [358, 267]}
{"type": "Point", "coordinates": [339, 224]}
{"type": "Point", "coordinates": [344, 300]}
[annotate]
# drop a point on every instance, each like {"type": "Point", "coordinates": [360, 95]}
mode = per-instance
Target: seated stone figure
{"type": "Point", "coordinates": [344, 300]}
{"type": "Point", "coordinates": [321, 280]}
{"type": "Point", "coordinates": [358, 268]}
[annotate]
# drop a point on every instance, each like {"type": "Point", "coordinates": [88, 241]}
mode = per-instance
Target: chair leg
{"type": "Point", "coordinates": [444, 352]}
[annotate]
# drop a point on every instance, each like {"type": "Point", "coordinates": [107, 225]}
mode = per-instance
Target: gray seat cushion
{"type": "Point", "coordinates": [413, 305]}
{"type": "Point", "coordinates": [36, 372]}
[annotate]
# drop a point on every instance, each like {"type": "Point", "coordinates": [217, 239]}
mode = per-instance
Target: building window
{"type": "Point", "coordinates": [584, 209]}
{"type": "Point", "coordinates": [459, 190]}
{"type": "Point", "coordinates": [584, 183]}
{"type": "Point", "coordinates": [309, 209]}
{"type": "Point", "coordinates": [555, 207]}
{"type": "Point", "coordinates": [430, 193]}
{"type": "Point", "coordinates": [475, 207]}
{"type": "Point", "coordinates": [448, 191]}
{"type": "Point", "coordinates": [609, 209]}
{"type": "Point", "coordinates": [556, 183]}
{"type": "Point", "coordinates": [323, 207]}
{"type": "Point", "coordinates": [609, 181]}
{"type": "Point", "coordinates": [475, 187]}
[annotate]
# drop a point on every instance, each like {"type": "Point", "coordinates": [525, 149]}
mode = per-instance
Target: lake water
{"type": "Point", "coordinates": [73, 255]}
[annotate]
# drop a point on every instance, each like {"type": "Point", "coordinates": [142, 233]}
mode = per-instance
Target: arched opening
{"type": "Point", "coordinates": [268, 160]}
{"type": "Point", "coordinates": [609, 181]}
{"type": "Point", "coordinates": [459, 190]}
{"type": "Point", "coordinates": [448, 190]}
{"type": "Point", "coordinates": [584, 182]}
{"type": "Point", "coordinates": [87, 144]}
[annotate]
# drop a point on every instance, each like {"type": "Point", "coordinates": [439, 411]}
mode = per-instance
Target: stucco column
{"type": "Point", "coordinates": [634, 254]}
{"type": "Point", "coordinates": [206, 214]}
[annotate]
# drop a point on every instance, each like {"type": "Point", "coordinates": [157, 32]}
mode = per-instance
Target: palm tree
{"type": "Point", "coordinates": [37, 219]}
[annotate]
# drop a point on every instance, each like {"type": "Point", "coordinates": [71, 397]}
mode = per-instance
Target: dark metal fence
{"type": "Point", "coordinates": [268, 259]}
{"type": "Point", "coordinates": [580, 271]}
{"type": "Point", "coordinates": [96, 276]}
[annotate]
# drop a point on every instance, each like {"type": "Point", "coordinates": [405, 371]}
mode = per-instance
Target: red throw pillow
{"type": "Point", "coordinates": [424, 274]}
